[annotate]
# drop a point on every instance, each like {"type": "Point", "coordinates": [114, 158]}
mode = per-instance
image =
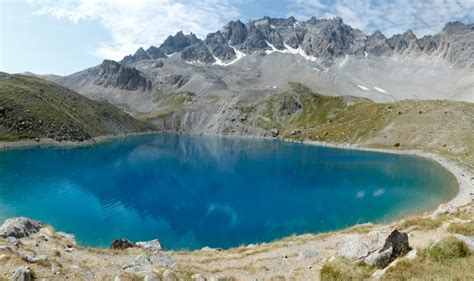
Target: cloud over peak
{"type": "Point", "coordinates": [132, 24]}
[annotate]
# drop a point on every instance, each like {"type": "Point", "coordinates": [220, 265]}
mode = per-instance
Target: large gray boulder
{"type": "Point", "coordinates": [358, 246]}
{"type": "Point", "coordinates": [395, 245]}
{"type": "Point", "coordinates": [19, 227]}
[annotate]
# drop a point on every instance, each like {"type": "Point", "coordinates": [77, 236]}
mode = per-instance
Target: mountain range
{"type": "Point", "coordinates": [199, 85]}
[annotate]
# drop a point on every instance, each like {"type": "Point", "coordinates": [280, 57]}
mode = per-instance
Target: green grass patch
{"type": "Point", "coordinates": [421, 223]}
{"type": "Point", "coordinates": [344, 269]}
{"type": "Point", "coordinates": [462, 228]}
{"type": "Point", "coordinates": [448, 248]}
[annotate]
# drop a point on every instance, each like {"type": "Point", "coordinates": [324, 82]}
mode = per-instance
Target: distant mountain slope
{"type": "Point", "coordinates": [262, 56]}
{"type": "Point", "coordinates": [32, 107]}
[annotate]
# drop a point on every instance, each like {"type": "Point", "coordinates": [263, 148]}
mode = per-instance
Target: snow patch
{"type": "Point", "coordinates": [363, 88]}
{"type": "Point", "coordinates": [238, 55]}
{"type": "Point", "coordinates": [289, 50]}
{"type": "Point", "coordinates": [380, 90]}
{"type": "Point", "coordinates": [317, 69]}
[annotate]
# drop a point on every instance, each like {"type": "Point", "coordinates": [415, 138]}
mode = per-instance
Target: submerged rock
{"type": "Point", "coordinates": [121, 244]}
{"type": "Point", "coordinates": [19, 227]}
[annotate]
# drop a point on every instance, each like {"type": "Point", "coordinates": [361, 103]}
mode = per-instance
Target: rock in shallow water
{"type": "Point", "coordinates": [19, 227]}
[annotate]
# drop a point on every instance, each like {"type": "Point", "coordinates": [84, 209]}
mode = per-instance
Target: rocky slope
{"type": "Point", "coordinates": [260, 57]}
{"type": "Point", "coordinates": [33, 108]}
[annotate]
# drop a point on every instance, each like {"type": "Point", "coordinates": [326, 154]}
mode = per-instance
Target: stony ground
{"type": "Point", "coordinates": [53, 255]}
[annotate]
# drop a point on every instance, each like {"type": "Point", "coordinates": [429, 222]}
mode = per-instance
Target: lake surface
{"type": "Point", "coordinates": [196, 191]}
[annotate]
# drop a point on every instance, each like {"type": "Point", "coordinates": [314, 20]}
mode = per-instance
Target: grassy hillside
{"type": "Point", "coordinates": [443, 127]}
{"type": "Point", "coordinates": [32, 107]}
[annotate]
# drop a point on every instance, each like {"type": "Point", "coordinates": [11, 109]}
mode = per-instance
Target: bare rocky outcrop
{"type": "Point", "coordinates": [121, 244]}
{"type": "Point", "coordinates": [19, 227]}
{"type": "Point", "coordinates": [396, 245]}
{"type": "Point", "coordinates": [377, 248]}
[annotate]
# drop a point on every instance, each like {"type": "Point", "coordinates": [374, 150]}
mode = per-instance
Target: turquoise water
{"type": "Point", "coordinates": [196, 191]}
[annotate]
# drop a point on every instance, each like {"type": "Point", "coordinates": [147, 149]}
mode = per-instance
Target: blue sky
{"type": "Point", "coordinates": [65, 36]}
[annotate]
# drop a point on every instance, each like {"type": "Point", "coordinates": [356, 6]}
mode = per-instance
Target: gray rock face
{"type": "Point", "coordinates": [19, 227]}
{"type": "Point", "coordinates": [178, 42]}
{"type": "Point", "coordinates": [113, 74]}
{"type": "Point", "coordinates": [22, 273]}
{"type": "Point", "coordinates": [218, 46]}
{"type": "Point", "coordinates": [197, 52]}
{"type": "Point", "coordinates": [358, 246]}
{"type": "Point", "coordinates": [326, 39]}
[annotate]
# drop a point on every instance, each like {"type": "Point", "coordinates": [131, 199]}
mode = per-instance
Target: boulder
{"type": "Point", "coordinates": [395, 245]}
{"type": "Point", "coordinates": [36, 258]}
{"type": "Point", "coordinates": [467, 240]}
{"type": "Point", "coordinates": [121, 244]}
{"type": "Point", "coordinates": [169, 275]}
{"type": "Point", "coordinates": [19, 227]}
{"type": "Point", "coordinates": [357, 246]}
{"type": "Point", "coordinates": [274, 132]}
{"type": "Point", "coordinates": [152, 245]}
{"type": "Point", "coordinates": [22, 273]}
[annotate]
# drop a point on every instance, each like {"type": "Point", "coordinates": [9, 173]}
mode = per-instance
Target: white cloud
{"type": "Point", "coordinates": [389, 16]}
{"type": "Point", "coordinates": [135, 23]}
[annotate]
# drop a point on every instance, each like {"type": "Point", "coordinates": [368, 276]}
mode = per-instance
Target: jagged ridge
{"type": "Point", "coordinates": [324, 39]}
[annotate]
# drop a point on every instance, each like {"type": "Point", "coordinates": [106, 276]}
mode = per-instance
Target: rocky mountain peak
{"type": "Point", "coordinates": [456, 27]}
{"type": "Point", "coordinates": [325, 39]}
{"type": "Point", "coordinates": [113, 74]}
{"type": "Point", "coordinates": [178, 42]}
{"type": "Point", "coordinates": [235, 32]}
